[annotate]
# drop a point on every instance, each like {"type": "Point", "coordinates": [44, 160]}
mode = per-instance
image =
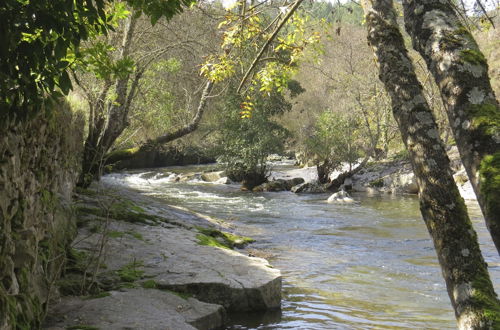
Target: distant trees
{"type": "Point", "coordinates": [245, 144]}
{"type": "Point", "coordinates": [336, 140]}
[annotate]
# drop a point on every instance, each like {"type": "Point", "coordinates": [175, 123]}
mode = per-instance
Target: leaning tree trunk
{"type": "Point", "coordinates": [461, 72]}
{"type": "Point", "coordinates": [195, 122]}
{"type": "Point", "coordinates": [465, 272]}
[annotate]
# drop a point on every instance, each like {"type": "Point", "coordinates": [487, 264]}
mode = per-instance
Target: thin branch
{"type": "Point", "coordinates": [268, 42]}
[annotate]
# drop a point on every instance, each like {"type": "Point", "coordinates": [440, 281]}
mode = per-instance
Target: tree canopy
{"type": "Point", "coordinates": [36, 38]}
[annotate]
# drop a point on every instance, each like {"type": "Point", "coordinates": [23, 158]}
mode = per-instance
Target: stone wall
{"type": "Point", "coordinates": [39, 160]}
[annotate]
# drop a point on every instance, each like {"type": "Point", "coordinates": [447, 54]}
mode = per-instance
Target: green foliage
{"type": "Point", "coordinates": [336, 140]}
{"type": "Point", "coordinates": [377, 183]}
{"type": "Point", "coordinates": [247, 142]}
{"type": "Point", "coordinates": [244, 36]}
{"type": "Point", "coordinates": [36, 37]}
{"type": "Point", "coordinates": [160, 109]}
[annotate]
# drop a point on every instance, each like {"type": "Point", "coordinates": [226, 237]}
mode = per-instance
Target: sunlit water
{"type": "Point", "coordinates": [369, 265]}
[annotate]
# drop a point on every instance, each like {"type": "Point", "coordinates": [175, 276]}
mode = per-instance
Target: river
{"type": "Point", "coordinates": [367, 265]}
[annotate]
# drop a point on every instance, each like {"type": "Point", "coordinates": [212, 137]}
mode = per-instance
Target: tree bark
{"type": "Point", "coordinates": [464, 270]}
{"type": "Point", "coordinates": [110, 119]}
{"type": "Point", "coordinates": [461, 72]}
{"type": "Point", "coordinates": [193, 125]}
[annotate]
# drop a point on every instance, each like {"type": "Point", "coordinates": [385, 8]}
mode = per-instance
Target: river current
{"type": "Point", "coordinates": [367, 265]}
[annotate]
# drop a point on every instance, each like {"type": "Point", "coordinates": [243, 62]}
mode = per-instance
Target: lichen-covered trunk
{"type": "Point", "coordinates": [461, 72]}
{"type": "Point", "coordinates": [464, 270]}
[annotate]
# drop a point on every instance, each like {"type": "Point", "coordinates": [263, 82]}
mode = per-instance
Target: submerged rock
{"type": "Point", "coordinates": [340, 197]}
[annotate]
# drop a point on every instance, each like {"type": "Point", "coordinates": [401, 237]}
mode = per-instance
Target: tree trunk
{"type": "Point", "coordinates": [109, 119]}
{"type": "Point", "coordinates": [464, 270]}
{"type": "Point", "coordinates": [461, 72]}
{"type": "Point", "coordinates": [193, 125]}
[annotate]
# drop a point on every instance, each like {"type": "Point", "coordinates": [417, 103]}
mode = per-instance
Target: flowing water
{"type": "Point", "coordinates": [368, 265]}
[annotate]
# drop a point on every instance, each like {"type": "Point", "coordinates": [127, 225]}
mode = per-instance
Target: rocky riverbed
{"type": "Point", "coordinates": [137, 263]}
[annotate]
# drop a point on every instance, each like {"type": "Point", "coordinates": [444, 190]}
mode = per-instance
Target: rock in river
{"type": "Point", "coordinates": [340, 197]}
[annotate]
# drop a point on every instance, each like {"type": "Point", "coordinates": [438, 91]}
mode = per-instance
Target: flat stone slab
{"type": "Point", "coordinates": [167, 257]}
{"type": "Point", "coordinates": [174, 259]}
{"type": "Point", "coordinates": [135, 309]}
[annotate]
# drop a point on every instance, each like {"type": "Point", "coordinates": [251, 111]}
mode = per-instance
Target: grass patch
{"type": "Point", "coordinates": [131, 272]}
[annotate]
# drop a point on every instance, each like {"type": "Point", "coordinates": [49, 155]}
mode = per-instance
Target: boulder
{"type": "Point", "coordinates": [313, 187]}
{"type": "Point", "coordinates": [224, 180]}
{"type": "Point", "coordinates": [279, 185]}
{"type": "Point", "coordinates": [340, 197]}
{"type": "Point", "coordinates": [213, 176]}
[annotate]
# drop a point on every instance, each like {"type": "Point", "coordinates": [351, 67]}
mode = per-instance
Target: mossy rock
{"type": "Point", "coordinates": [377, 183]}
{"type": "Point", "coordinates": [217, 238]}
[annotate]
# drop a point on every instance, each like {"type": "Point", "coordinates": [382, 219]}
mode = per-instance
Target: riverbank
{"type": "Point", "coordinates": [141, 264]}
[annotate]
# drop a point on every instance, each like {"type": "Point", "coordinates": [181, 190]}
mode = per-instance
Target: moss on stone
{"type": "Point", "coordinates": [377, 183]}
{"type": "Point", "coordinates": [125, 211]}
{"type": "Point", "coordinates": [122, 154]}
{"type": "Point", "coordinates": [149, 284]}
{"type": "Point", "coordinates": [210, 241]}
{"type": "Point", "coordinates": [183, 295]}
{"type": "Point", "coordinates": [135, 235]}
{"type": "Point", "coordinates": [217, 238]}
{"type": "Point", "coordinates": [131, 272]}
{"type": "Point", "coordinates": [116, 234]}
